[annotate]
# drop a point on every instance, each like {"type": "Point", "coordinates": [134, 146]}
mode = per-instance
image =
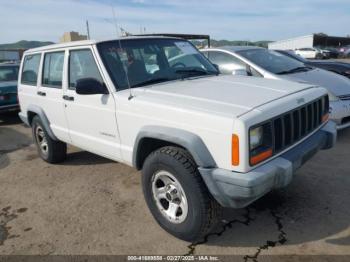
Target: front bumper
{"type": "Point", "coordinates": [340, 112]}
{"type": "Point", "coordinates": [237, 190]}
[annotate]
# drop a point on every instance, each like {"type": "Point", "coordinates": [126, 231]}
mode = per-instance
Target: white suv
{"type": "Point", "coordinates": [202, 141]}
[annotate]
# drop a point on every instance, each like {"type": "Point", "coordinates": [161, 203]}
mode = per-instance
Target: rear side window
{"type": "Point", "coordinates": [30, 69]}
{"type": "Point", "coordinates": [53, 69]}
{"type": "Point", "coordinates": [82, 65]}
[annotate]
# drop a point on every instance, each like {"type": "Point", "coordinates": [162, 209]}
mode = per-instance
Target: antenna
{"type": "Point", "coordinates": [87, 29]}
{"type": "Point", "coordinates": [120, 46]}
{"type": "Point", "coordinates": [115, 20]}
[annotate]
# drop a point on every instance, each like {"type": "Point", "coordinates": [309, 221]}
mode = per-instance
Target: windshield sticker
{"type": "Point", "coordinates": [186, 48]}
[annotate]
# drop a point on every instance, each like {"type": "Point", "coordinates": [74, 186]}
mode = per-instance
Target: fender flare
{"type": "Point", "coordinates": [191, 142]}
{"type": "Point", "coordinates": [40, 112]}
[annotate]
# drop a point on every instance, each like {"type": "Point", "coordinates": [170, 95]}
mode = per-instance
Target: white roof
{"type": "Point", "coordinates": [87, 42]}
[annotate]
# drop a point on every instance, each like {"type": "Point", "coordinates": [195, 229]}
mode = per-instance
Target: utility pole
{"type": "Point", "coordinates": [87, 29]}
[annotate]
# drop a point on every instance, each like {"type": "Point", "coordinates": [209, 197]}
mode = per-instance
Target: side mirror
{"type": "Point", "coordinates": [90, 86]}
{"type": "Point", "coordinates": [217, 67]}
{"type": "Point", "coordinates": [240, 72]}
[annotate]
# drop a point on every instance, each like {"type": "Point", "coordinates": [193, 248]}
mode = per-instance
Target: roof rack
{"type": "Point", "coordinates": [184, 36]}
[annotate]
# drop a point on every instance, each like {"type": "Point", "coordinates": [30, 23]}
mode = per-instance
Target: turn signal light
{"type": "Point", "coordinates": [235, 150]}
{"type": "Point", "coordinates": [325, 118]}
{"type": "Point", "coordinates": [260, 157]}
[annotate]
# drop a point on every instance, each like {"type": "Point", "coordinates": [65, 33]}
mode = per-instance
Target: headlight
{"type": "Point", "coordinates": [260, 143]}
{"type": "Point", "coordinates": [332, 97]}
{"type": "Point", "coordinates": [256, 137]}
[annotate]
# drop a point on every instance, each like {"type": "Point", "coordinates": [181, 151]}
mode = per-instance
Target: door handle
{"type": "Point", "coordinates": [68, 98]}
{"type": "Point", "coordinates": [41, 93]}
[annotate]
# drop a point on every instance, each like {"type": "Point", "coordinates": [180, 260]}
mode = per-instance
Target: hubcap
{"type": "Point", "coordinates": [169, 197]}
{"type": "Point", "coordinates": [41, 140]}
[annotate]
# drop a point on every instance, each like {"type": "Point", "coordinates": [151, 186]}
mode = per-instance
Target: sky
{"type": "Point", "coordinates": [253, 20]}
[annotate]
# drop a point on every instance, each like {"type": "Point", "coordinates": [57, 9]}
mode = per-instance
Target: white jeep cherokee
{"type": "Point", "coordinates": [202, 140]}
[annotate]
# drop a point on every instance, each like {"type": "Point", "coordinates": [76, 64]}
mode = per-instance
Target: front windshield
{"type": "Point", "coordinates": [142, 62]}
{"type": "Point", "coordinates": [273, 61]}
{"type": "Point", "coordinates": [294, 55]}
{"type": "Point", "coordinates": [8, 73]}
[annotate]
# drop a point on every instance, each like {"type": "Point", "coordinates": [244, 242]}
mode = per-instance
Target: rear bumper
{"type": "Point", "coordinates": [24, 118]}
{"type": "Point", "coordinates": [237, 190]}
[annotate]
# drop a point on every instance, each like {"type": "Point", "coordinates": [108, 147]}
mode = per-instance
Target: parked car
{"type": "Point", "coordinates": [311, 53]}
{"type": "Point", "coordinates": [201, 140]}
{"type": "Point", "coordinates": [260, 62]}
{"type": "Point", "coordinates": [344, 51]}
{"type": "Point", "coordinates": [340, 68]}
{"type": "Point", "coordinates": [8, 86]}
{"type": "Point", "coordinates": [333, 52]}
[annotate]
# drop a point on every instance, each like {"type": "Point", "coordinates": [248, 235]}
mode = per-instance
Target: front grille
{"type": "Point", "coordinates": [344, 97]}
{"type": "Point", "coordinates": [291, 127]}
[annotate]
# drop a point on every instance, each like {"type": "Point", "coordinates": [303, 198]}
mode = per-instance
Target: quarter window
{"type": "Point", "coordinates": [82, 65]}
{"type": "Point", "coordinates": [30, 69]}
{"type": "Point", "coordinates": [53, 69]}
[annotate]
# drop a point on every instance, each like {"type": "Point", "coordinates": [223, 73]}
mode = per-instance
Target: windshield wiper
{"type": "Point", "coordinates": [295, 70]}
{"type": "Point", "coordinates": [194, 71]}
{"type": "Point", "coordinates": [152, 81]}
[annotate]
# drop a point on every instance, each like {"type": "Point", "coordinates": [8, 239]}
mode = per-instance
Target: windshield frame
{"type": "Point", "coordinates": [129, 44]}
{"type": "Point", "coordinates": [243, 54]}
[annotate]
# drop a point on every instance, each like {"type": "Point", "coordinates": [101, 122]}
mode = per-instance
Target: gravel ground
{"type": "Point", "coordinates": [90, 205]}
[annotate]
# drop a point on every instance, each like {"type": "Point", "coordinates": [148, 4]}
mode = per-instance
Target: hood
{"type": "Point", "coordinates": [226, 95]}
{"type": "Point", "coordinates": [337, 84]}
{"type": "Point", "coordinates": [8, 87]}
{"type": "Point", "coordinates": [330, 63]}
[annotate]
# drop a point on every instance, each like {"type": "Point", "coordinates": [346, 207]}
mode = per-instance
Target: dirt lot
{"type": "Point", "coordinates": [91, 205]}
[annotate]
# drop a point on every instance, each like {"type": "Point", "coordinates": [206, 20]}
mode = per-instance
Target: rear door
{"type": "Point", "coordinates": [27, 88]}
{"type": "Point", "coordinates": [49, 95]}
{"type": "Point", "coordinates": [91, 118]}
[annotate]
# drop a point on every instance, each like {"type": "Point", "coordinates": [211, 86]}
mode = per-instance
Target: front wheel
{"type": "Point", "coordinates": [176, 195]}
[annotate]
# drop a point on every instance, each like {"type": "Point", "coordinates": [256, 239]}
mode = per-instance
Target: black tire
{"type": "Point", "coordinates": [203, 211]}
{"type": "Point", "coordinates": [56, 151]}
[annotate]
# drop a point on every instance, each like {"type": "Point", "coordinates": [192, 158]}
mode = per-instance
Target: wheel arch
{"type": "Point", "coordinates": [151, 138]}
{"type": "Point", "coordinates": [33, 111]}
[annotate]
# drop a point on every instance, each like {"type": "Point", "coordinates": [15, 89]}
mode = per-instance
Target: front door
{"type": "Point", "coordinates": [91, 118]}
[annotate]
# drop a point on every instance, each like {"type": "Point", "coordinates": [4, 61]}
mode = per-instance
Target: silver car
{"type": "Point", "coordinates": [261, 62]}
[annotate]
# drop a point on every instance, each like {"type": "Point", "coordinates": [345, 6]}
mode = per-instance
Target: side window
{"type": "Point", "coordinates": [227, 63]}
{"type": "Point", "coordinates": [30, 69]}
{"type": "Point", "coordinates": [82, 65]}
{"type": "Point", "coordinates": [53, 69]}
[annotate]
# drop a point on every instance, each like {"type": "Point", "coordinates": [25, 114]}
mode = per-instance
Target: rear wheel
{"type": "Point", "coordinates": [50, 150]}
{"type": "Point", "coordinates": [176, 195]}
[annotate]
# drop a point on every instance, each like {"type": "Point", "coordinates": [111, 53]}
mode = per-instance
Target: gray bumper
{"type": "Point", "coordinates": [24, 118]}
{"type": "Point", "coordinates": [232, 189]}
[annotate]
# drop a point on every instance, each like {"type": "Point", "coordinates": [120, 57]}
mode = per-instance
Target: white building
{"type": "Point", "coordinates": [293, 43]}
{"type": "Point", "coordinates": [313, 40]}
